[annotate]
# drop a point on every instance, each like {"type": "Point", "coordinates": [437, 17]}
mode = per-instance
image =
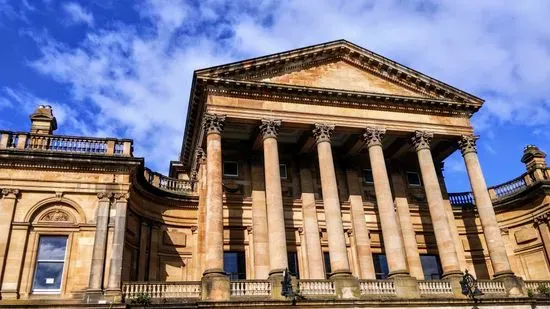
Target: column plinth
{"type": "Point", "coordinates": [339, 262]}
{"type": "Point", "coordinates": [393, 239]}
{"type": "Point", "coordinates": [443, 235]}
{"type": "Point", "coordinates": [278, 259]}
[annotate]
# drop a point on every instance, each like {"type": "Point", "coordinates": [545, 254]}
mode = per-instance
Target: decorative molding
{"type": "Point", "coordinates": [249, 229]}
{"type": "Point", "coordinates": [105, 196]}
{"type": "Point", "coordinates": [467, 144]}
{"type": "Point", "coordinates": [421, 140]}
{"type": "Point", "coordinates": [323, 132]}
{"type": "Point", "coordinates": [194, 229]}
{"type": "Point", "coordinates": [541, 219]}
{"type": "Point", "coordinates": [301, 231]}
{"type": "Point", "coordinates": [10, 193]}
{"type": "Point", "coordinates": [200, 156]}
{"type": "Point", "coordinates": [373, 136]}
{"type": "Point", "coordinates": [121, 197]}
{"type": "Point", "coordinates": [270, 128]}
{"type": "Point", "coordinates": [213, 123]}
{"type": "Point", "coordinates": [56, 215]}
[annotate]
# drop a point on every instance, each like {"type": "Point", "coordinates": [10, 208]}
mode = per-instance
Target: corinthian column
{"type": "Point", "coordinates": [278, 259]}
{"type": "Point", "coordinates": [443, 235]}
{"type": "Point", "coordinates": [393, 240]}
{"type": "Point", "coordinates": [215, 284]}
{"type": "Point", "coordinates": [100, 242]}
{"type": "Point", "coordinates": [491, 230]}
{"type": "Point", "coordinates": [115, 270]}
{"type": "Point", "coordinates": [339, 262]}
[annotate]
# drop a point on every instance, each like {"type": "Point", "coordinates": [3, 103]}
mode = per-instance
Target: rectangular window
{"type": "Point", "coordinates": [234, 264]}
{"type": "Point", "coordinates": [431, 267]}
{"type": "Point", "coordinates": [380, 266]}
{"type": "Point", "coordinates": [230, 168]}
{"type": "Point", "coordinates": [367, 176]}
{"type": "Point", "coordinates": [293, 264]}
{"type": "Point", "coordinates": [49, 264]}
{"type": "Point", "coordinates": [282, 170]}
{"type": "Point", "coordinates": [413, 179]}
{"type": "Point", "coordinates": [326, 259]}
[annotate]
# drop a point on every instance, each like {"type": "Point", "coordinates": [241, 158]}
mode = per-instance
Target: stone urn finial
{"type": "Point", "coordinates": [533, 158]}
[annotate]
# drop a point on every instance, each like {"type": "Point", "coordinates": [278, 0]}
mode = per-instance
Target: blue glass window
{"type": "Point", "coordinates": [50, 263]}
{"type": "Point", "coordinates": [431, 267]}
{"type": "Point", "coordinates": [381, 266]}
{"type": "Point", "coordinates": [234, 264]}
{"type": "Point", "coordinates": [293, 264]}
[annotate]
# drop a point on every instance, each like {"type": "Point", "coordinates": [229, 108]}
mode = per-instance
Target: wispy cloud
{"type": "Point", "coordinates": [76, 14]}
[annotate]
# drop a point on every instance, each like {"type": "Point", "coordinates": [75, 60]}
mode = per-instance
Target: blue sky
{"type": "Point", "coordinates": [123, 67]}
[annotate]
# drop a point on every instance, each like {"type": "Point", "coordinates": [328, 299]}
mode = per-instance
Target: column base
{"type": "Point", "coordinates": [215, 285]}
{"type": "Point", "coordinates": [94, 296]}
{"type": "Point", "coordinates": [406, 286]}
{"type": "Point", "coordinates": [276, 279]}
{"type": "Point", "coordinates": [514, 285]}
{"type": "Point", "coordinates": [346, 285]}
{"type": "Point", "coordinates": [455, 277]}
{"type": "Point", "coordinates": [9, 294]}
{"type": "Point", "coordinates": [113, 295]}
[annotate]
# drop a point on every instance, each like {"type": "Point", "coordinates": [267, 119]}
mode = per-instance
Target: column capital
{"type": "Point", "coordinates": [200, 155]}
{"type": "Point", "coordinates": [421, 140]}
{"type": "Point", "coordinates": [541, 219]}
{"type": "Point", "coordinates": [323, 132]}
{"type": "Point", "coordinates": [105, 196]}
{"type": "Point", "coordinates": [121, 197]}
{"type": "Point", "coordinates": [467, 143]}
{"type": "Point", "coordinates": [213, 123]}
{"type": "Point", "coordinates": [10, 193]}
{"type": "Point", "coordinates": [373, 136]}
{"type": "Point", "coordinates": [270, 128]}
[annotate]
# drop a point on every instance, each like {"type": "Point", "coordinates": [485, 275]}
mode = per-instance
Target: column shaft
{"type": "Point", "coordinates": [259, 224]}
{"type": "Point", "coordinates": [360, 231]}
{"type": "Point", "coordinates": [545, 235]}
{"type": "Point", "coordinates": [100, 242]}
{"type": "Point", "coordinates": [275, 213]}
{"type": "Point", "coordinates": [393, 239]}
{"type": "Point", "coordinates": [214, 205]}
{"type": "Point", "coordinates": [314, 252]}
{"type": "Point", "coordinates": [405, 221]}
{"type": "Point", "coordinates": [339, 262]}
{"type": "Point", "coordinates": [201, 217]}
{"type": "Point", "coordinates": [115, 270]}
{"type": "Point", "coordinates": [8, 210]}
{"type": "Point", "coordinates": [442, 231]}
{"type": "Point", "coordinates": [153, 256]}
{"type": "Point", "coordinates": [491, 230]}
{"type": "Point", "coordinates": [11, 281]}
{"type": "Point", "coordinates": [144, 239]}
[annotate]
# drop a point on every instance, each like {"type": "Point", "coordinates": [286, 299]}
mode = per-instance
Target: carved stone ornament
{"type": "Point", "coordinates": [249, 229]}
{"type": "Point", "coordinates": [270, 128]}
{"type": "Point", "coordinates": [122, 197]}
{"type": "Point", "coordinates": [213, 123]}
{"type": "Point", "coordinates": [56, 216]}
{"type": "Point", "coordinates": [542, 219]}
{"type": "Point", "coordinates": [104, 195]}
{"type": "Point", "coordinates": [200, 155]}
{"type": "Point", "coordinates": [194, 229]}
{"type": "Point", "coordinates": [373, 136]}
{"type": "Point", "coordinates": [10, 193]}
{"type": "Point", "coordinates": [323, 132]}
{"type": "Point", "coordinates": [421, 140]}
{"type": "Point", "coordinates": [467, 143]}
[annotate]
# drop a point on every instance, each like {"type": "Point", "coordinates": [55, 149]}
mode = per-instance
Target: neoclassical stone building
{"type": "Point", "coordinates": [323, 162]}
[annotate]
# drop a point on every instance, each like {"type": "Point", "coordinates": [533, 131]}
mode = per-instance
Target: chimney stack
{"type": "Point", "coordinates": [43, 121]}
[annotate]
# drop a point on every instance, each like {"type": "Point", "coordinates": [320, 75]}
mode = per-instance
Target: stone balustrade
{"type": "Point", "coordinates": [165, 183]}
{"type": "Point", "coordinates": [316, 287]}
{"type": "Point", "coordinates": [435, 287]}
{"type": "Point", "coordinates": [377, 287]}
{"type": "Point", "coordinates": [67, 144]}
{"type": "Point", "coordinates": [161, 290]}
{"type": "Point", "coordinates": [514, 186]}
{"type": "Point", "coordinates": [491, 287]}
{"type": "Point", "coordinates": [250, 288]}
{"type": "Point", "coordinates": [534, 284]}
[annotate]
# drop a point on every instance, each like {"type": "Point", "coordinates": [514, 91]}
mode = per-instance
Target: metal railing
{"type": "Point", "coordinates": [161, 290]}
{"type": "Point", "coordinates": [67, 144]}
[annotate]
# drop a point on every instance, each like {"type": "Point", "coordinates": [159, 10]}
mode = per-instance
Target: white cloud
{"type": "Point", "coordinates": [135, 79]}
{"type": "Point", "coordinates": [77, 14]}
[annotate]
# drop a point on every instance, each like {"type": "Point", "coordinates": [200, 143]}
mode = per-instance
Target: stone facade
{"type": "Point", "coordinates": [324, 161]}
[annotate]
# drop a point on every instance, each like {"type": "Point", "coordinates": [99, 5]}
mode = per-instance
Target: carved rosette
{"type": "Point", "coordinates": [270, 128]}
{"type": "Point", "coordinates": [213, 123]}
{"type": "Point", "coordinates": [421, 140]}
{"type": "Point", "coordinates": [10, 193]}
{"type": "Point", "coordinates": [467, 143]}
{"type": "Point", "coordinates": [373, 136]}
{"type": "Point", "coordinates": [323, 132]}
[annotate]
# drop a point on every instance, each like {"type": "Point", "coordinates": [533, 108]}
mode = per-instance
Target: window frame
{"type": "Point", "coordinates": [237, 167]}
{"type": "Point", "coordinates": [417, 175]}
{"type": "Point", "coordinates": [364, 171]}
{"type": "Point", "coordinates": [286, 170]}
{"type": "Point", "coordinates": [37, 261]}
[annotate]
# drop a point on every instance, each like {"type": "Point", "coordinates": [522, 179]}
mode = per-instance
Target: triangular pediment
{"type": "Point", "coordinates": [341, 75]}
